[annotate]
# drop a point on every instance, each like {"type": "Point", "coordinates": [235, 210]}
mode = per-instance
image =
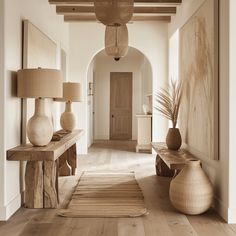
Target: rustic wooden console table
{"type": "Point", "coordinates": [43, 167]}
{"type": "Point", "coordinates": [169, 162]}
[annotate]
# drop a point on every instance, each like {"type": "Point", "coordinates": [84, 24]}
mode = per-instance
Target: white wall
{"type": "Point", "coordinates": [174, 56]}
{"type": "Point", "coordinates": [146, 76]}
{"type": "Point", "coordinates": [232, 114]}
{"type": "Point", "coordinates": [216, 170]}
{"type": "Point", "coordinates": [90, 110]}
{"type": "Point", "coordinates": [132, 62]}
{"type": "Point", "coordinates": [42, 15]}
{"type": "Point", "coordinates": [184, 12]}
{"type": "Point", "coordinates": [87, 39]}
{"type": "Point", "coordinates": [2, 98]}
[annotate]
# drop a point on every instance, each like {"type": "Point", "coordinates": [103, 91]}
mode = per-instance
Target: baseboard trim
{"type": "Point", "coordinates": [7, 211]}
{"type": "Point", "coordinates": [101, 137]}
{"type": "Point", "coordinates": [231, 216]}
{"type": "Point", "coordinates": [221, 209]}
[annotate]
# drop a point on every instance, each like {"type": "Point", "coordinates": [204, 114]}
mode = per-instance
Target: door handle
{"type": "Point", "coordinates": [112, 116]}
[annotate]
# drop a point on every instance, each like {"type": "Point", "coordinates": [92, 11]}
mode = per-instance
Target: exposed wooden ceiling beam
{"type": "Point", "coordinates": [160, 10]}
{"type": "Point", "coordinates": [144, 10]}
{"type": "Point", "coordinates": [81, 18]}
{"type": "Point", "coordinates": [136, 2]}
{"type": "Point", "coordinates": [74, 10]}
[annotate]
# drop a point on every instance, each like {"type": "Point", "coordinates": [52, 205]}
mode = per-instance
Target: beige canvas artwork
{"type": "Point", "coordinates": [199, 70]}
{"type": "Point", "coordinates": [39, 51]}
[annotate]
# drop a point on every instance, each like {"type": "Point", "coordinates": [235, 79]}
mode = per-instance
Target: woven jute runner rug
{"type": "Point", "coordinates": [106, 194]}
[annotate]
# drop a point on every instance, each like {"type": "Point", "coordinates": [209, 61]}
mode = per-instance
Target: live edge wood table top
{"type": "Point", "coordinates": [44, 165]}
{"type": "Point", "coordinates": [50, 152]}
{"type": "Point", "coordinates": [173, 160]}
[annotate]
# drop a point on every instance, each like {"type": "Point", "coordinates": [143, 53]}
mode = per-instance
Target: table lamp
{"type": "Point", "coordinates": [71, 93]}
{"type": "Point", "coordinates": [39, 84]}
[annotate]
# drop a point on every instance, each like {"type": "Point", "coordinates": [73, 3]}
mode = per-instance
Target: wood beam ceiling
{"type": "Point", "coordinates": [144, 10]}
{"type": "Point", "coordinates": [136, 2]}
{"type": "Point", "coordinates": [75, 10]}
{"type": "Point", "coordinates": [77, 18]}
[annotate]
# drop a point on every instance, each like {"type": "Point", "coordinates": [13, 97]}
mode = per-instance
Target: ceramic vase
{"type": "Point", "coordinates": [191, 192]}
{"type": "Point", "coordinates": [145, 109]}
{"type": "Point", "coordinates": [39, 127]}
{"type": "Point", "coordinates": [68, 119]}
{"type": "Point", "coordinates": [173, 139]}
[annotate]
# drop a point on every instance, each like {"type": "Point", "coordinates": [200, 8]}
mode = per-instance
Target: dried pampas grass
{"type": "Point", "coordinates": [169, 101]}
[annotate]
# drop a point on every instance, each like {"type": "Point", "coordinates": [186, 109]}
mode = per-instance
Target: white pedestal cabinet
{"type": "Point", "coordinates": [144, 133]}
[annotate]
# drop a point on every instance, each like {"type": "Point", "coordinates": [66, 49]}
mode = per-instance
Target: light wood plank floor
{"type": "Point", "coordinates": [163, 219]}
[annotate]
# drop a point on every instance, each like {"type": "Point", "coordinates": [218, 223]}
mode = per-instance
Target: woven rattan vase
{"type": "Point", "coordinates": [191, 191]}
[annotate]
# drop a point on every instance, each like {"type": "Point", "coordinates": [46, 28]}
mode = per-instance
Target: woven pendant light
{"type": "Point", "coordinates": [116, 41]}
{"type": "Point", "coordinates": [114, 12]}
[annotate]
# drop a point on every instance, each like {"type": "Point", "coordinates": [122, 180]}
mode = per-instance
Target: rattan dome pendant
{"type": "Point", "coordinates": [114, 12]}
{"type": "Point", "coordinates": [116, 41]}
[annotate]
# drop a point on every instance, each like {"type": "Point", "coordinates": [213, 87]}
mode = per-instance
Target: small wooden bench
{"type": "Point", "coordinates": [43, 167]}
{"type": "Point", "coordinates": [169, 162]}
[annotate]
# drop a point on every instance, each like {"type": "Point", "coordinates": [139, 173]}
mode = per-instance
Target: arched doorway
{"type": "Point", "coordinates": [98, 78]}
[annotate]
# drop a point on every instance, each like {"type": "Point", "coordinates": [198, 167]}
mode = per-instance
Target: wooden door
{"type": "Point", "coordinates": [121, 105]}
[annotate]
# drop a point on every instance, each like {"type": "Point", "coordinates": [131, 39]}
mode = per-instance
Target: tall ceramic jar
{"type": "Point", "coordinates": [191, 192]}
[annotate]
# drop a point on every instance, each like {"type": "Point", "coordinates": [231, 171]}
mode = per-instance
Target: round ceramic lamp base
{"type": "Point", "coordinates": [68, 120]}
{"type": "Point", "coordinates": [39, 127]}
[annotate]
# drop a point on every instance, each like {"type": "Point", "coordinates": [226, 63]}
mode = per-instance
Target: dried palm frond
{"type": "Point", "coordinates": [169, 101]}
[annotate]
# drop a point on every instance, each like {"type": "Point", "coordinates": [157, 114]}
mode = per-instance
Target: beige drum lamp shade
{"type": "Point", "coordinates": [116, 41]}
{"type": "Point", "coordinates": [114, 12]}
{"type": "Point", "coordinates": [72, 92]}
{"type": "Point", "coordinates": [39, 84]}
{"type": "Point", "coordinates": [35, 83]}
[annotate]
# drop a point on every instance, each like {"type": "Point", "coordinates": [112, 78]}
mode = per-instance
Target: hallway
{"type": "Point", "coordinates": [162, 220]}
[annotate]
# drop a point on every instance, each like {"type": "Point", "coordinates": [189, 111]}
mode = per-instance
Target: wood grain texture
{"type": "Point", "coordinates": [49, 184]}
{"type": "Point", "coordinates": [151, 10]}
{"type": "Point", "coordinates": [34, 184]}
{"type": "Point", "coordinates": [72, 160]}
{"type": "Point", "coordinates": [74, 10]}
{"type": "Point", "coordinates": [175, 160]}
{"type": "Point", "coordinates": [146, 2]}
{"type": "Point", "coordinates": [64, 168]}
{"type": "Point", "coordinates": [67, 162]}
{"type": "Point", "coordinates": [121, 95]}
{"type": "Point", "coordinates": [162, 169]}
{"type": "Point", "coordinates": [163, 219]}
{"type": "Point", "coordinates": [43, 167]}
{"type": "Point", "coordinates": [143, 17]}
{"type": "Point", "coordinates": [48, 153]}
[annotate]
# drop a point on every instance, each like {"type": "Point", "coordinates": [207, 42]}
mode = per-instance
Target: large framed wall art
{"type": "Point", "coordinates": [199, 63]}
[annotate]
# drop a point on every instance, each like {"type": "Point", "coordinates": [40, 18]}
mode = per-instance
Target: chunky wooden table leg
{"type": "Point", "coordinates": [64, 168]}
{"type": "Point", "coordinates": [72, 158]}
{"type": "Point", "coordinates": [49, 184]}
{"type": "Point", "coordinates": [34, 184]}
{"type": "Point", "coordinates": [57, 175]}
{"type": "Point", "coordinates": [162, 169]}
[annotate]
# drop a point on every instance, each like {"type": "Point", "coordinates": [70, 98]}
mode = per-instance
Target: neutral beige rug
{"type": "Point", "coordinates": [106, 194]}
